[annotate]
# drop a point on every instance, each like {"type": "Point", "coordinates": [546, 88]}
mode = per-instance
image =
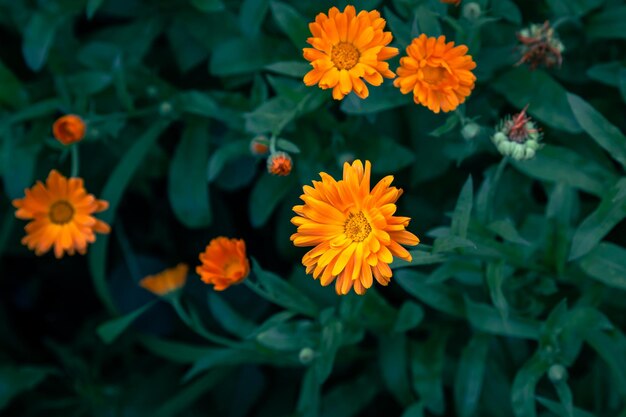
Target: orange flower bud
{"type": "Point", "coordinates": [69, 129]}
{"type": "Point", "coordinates": [455, 2]}
{"type": "Point", "coordinates": [279, 163]}
{"type": "Point", "coordinates": [258, 145]}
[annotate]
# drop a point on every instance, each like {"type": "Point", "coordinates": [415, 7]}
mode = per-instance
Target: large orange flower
{"type": "Point", "coordinates": [438, 73]}
{"type": "Point", "coordinates": [224, 263]}
{"type": "Point", "coordinates": [346, 49]}
{"type": "Point", "coordinates": [353, 229]}
{"type": "Point", "coordinates": [62, 215]}
{"type": "Point", "coordinates": [166, 281]}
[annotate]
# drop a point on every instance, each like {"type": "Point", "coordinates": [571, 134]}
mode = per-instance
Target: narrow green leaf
{"type": "Point", "coordinates": [393, 361]}
{"type": "Point", "coordinates": [290, 336]}
{"type": "Point", "coordinates": [287, 146]}
{"type": "Point", "coordinates": [415, 410]}
{"type": "Point", "coordinates": [251, 16]}
{"type": "Point", "coordinates": [188, 190]}
{"type": "Point", "coordinates": [606, 73]}
{"type": "Point", "coordinates": [183, 400]}
{"type": "Point", "coordinates": [495, 279]}
{"type": "Point", "coordinates": [607, 264]}
{"type": "Point", "coordinates": [113, 190]}
{"type": "Point", "coordinates": [508, 10]}
{"type": "Point", "coordinates": [469, 375]}
{"type": "Point", "coordinates": [267, 193]}
{"type": "Point", "coordinates": [438, 296]}
{"type": "Point", "coordinates": [427, 362]}
{"type": "Point", "coordinates": [177, 352]}
{"type": "Point", "coordinates": [12, 94]}
{"type": "Point", "coordinates": [385, 97]}
{"type": "Point", "coordinates": [224, 154]}
{"type": "Point", "coordinates": [112, 329]}
{"type": "Point", "coordinates": [409, 317]}
{"type": "Point", "coordinates": [208, 6]}
{"type": "Point", "coordinates": [506, 230]}
{"type": "Point", "coordinates": [38, 37]}
{"type": "Point", "coordinates": [451, 122]}
{"type": "Point", "coordinates": [558, 409]}
{"type": "Point", "coordinates": [427, 21]}
{"type": "Point", "coordinates": [487, 319]}
{"type": "Point", "coordinates": [16, 380]}
{"type": "Point", "coordinates": [601, 130]}
{"type": "Point", "coordinates": [601, 221]}
{"type": "Point", "coordinates": [291, 23]}
{"type": "Point", "coordinates": [310, 393]}
{"type": "Point", "coordinates": [231, 320]}
{"type": "Point", "coordinates": [242, 55]}
{"type": "Point", "coordinates": [608, 24]}
{"type": "Point", "coordinates": [463, 209]}
{"type": "Point", "coordinates": [524, 384]}
{"type": "Point", "coordinates": [450, 243]}
{"type": "Point", "coordinates": [329, 345]}
{"type": "Point", "coordinates": [294, 69]}
{"type": "Point", "coordinates": [92, 7]}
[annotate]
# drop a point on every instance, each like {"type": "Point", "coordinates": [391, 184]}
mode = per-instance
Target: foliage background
{"type": "Point", "coordinates": [519, 281]}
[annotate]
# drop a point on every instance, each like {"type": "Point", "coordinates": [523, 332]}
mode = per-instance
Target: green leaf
{"type": "Point", "coordinates": [113, 191]}
{"type": "Point", "coordinates": [267, 193]}
{"type": "Point", "coordinates": [19, 159]}
{"type": "Point", "coordinates": [487, 319]}
{"type": "Point", "coordinates": [506, 230]}
{"type": "Point", "coordinates": [231, 320]}
{"type": "Point", "coordinates": [294, 69]}
{"type": "Point", "coordinates": [440, 297]}
{"type": "Point", "coordinates": [607, 264]}
{"type": "Point", "coordinates": [287, 146]}
{"type": "Point", "coordinates": [188, 190]}
{"type": "Point", "coordinates": [242, 55]}
{"type": "Point", "coordinates": [409, 317]}
{"type": "Point", "coordinates": [38, 37]}
{"type": "Point", "coordinates": [554, 164]}
{"type": "Point", "coordinates": [469, 375]}
{"type": "Point", "coordinates": [607, 73]}
{"type": "Point", "coordinates": [347, 399]}
{"type": "Point", "coordinates": [506, 9]}
{"type": "Point", "coordinates": [219, 357]}
{"type": "Point", "coordinates": [92, 7]}
{"type": "Point", "coordinates": [181, 402]}
{"type": "Point", "coordinates": [329, 345]}
{"type": "Point", "coordinates": [524, 384]}
{"type": "Point", "coordinates": [290, 336]}
{"type": "Point", "coordinates": [12, 93]}
{"type": "Point", "coordinates": [559, 410]}
{"type": "Point", "coordinates": [573, 7]}
{"type": "Point", "coordinates": [451, 122]}
{"type": "Point", "coordinates": [208, 6]}
{"type": "Point", "coordinates": [608, 24]}
{"type": "Point", "coordinates": [415, 410]}
{"type": "Point", "coordinates": [393, 361]}
{"type": "Point", "coordinates": [546, 99]}
{"type": "Point", "coordinates": [283, 293]}
{"type": "Point", "coordinates": [463, 209]}
{"type": "Point", "coordinates": [310, 392]}
{"type": "Point", "coordinates": [291, 23]}
{"type": "Point", "coordinates": [112, 329]}
{"type": "Point", "coordinates": [495, 279]}
{"type": "Point", "coordinates": [177, 352]}
{"type": "Point", "coordinates": [226, 153]}
{"type": "Point", "coordinates": [88, 82]}
{"type": "Point", "coordinates": [16, 380]}
{"type": "Point", "coordinates": [450, 243]}
{"type": "Point", "coordinates": [271, 116]}
{"type": "Point", "coordinates": [427, 361]}
{"type": "Point", "coordinates": [381, 98]}
{"type": "Point", "coordinates": [401, 30]}
{"type": "Point", "coordinates": [420, 257]}
{"type": "Point", "coordinates": [601, 221]}
{"type": "Point", "coordinates": [251, 16]}
{"type": "Point", "coordinates": [427, 21]}
{"type": "Point", "coordinates": [388, 156]}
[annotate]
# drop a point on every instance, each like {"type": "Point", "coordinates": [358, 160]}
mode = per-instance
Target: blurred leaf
{"type": "Point", "coordinates": [348, 398]}
{"type": "Point", "coordinates": [463, 209]}
{"type": "Point", "coordinates": [113, 191]}
{"type": "Point", "coordinates": [267, 193]}
{"type": "Point", "coordinates": [487, 319]}
{"type": "Point", "coordinates": [112, 329]}
{"type": "Point", "coordinates": [220, 357]}
{"type": "Point", "coordinates": [329, 345]}
{"type": "Point", "coordinates": [224, 154]}
{"type": "Point", "coordinates": [388, 155]}
{"type": "Point", "coordinates": [573, 7]}
{"type": "Point", "coordinates": [295, 69]}
{"type": "Point", "coordinates": [15, 380]}
{"type": "Point", "coordinates": [19, 159]}
{"type": "Point", "coordinates": [287, 146]}
{"type": "Point", "coordinates": [420, 257]}
{"type": "Point", "coordinates": [38, 37]}
{"type": "Point", "coordinates": [88, 82]}
{"type": "Point", "coordinates": [208, 6]}
{"type": "Point", "coordinates": [427, 21]}
{"type": "Point", "coordinates": [188, 190]}
{"type": "Point", "coordinates": [92, 7]}
{"type": "Point", "coordinates": [604, 133]}
{"type": "Point", "coordinates": [289, 336]}
{"type": "Point", "coordinates": [506, 230]}
{"type": "Point", "coordinates": [400, 29]}
{"type": "Point", "coordinates": [251, 16]}
{"type": "Point", "coordinates": [271, 116]}
{"type": "Point", "coordinates": [470, 372]}
{"type": "Point", "coordinates": [554, 163]}
{"type": "Point", "coordinates": [611, 347]}
{"type": "Point", "coordinates": [524, 384]}
{"type": "Point", "coordinates": [231, 320]}
{"type": "Point", "coordinates": [559, 410]}
{"type": "Point", "coordinates": [451, 122]}
{"type": "Point", "coordinates": [607, 24]}
{"type": "Point", "coordinates": [438, 296]}
{"type": "Point", "coordinates": [415, 410]}
{"type": "Point", "coordinates": [450, 243]}
{"type": "Point", "coordinates": [381, 98]}
{"type": "Point", "coordinates": [282, 293]}
{"type": "Point", "coordinates": [392, 358]}
{"type": "Point", "coordinates": [242, 55]}
{"type": "Point", "coordinates": [427, 361]}
{"type": "Point", "coordinates": [546, 99]}
{"type": "Point", "coordinates": [174, 351]}
{"type": "Point", "coordinates": [310, 392]}
{"type": "Point", "coordinates": [12, 93]}
{"type": "Point", "coordinates": [607, 264]}
{"type": "Point", "coordinates": [610, 212]}
{"type": "Point", "coordinates": [495, 280]}
{"type": "Point", "coordinates": [291, 23]}
{"type": "Point", "coordinates": [409, 317]}
{"type": "Point", "coordinates": [189, 394]}
{"type": "Point", "coordinates": [506, 9]}
{"type": "Point", "coordinates": [606, 73]}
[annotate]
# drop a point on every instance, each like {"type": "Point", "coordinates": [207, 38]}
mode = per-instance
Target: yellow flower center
{"type": "Point", "coordinates": [344, 55]}
{"type": "Point", "coordinates": [61, 212]}
{"type": "Point", "coordinates": [434, 75]}
{"type": "Point", "coordinates": [356, 227]}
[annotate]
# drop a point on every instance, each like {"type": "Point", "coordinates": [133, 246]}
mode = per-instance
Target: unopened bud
{"type": "Point", "coordinates": [470, 131]}
{"type": "Point", "coordinates": [306, 355]}
{"type": "Point", "coordinates": [258, 145]}
{"type": "Point", "coordinates": [279, 163]}
{"type": "Point", "coordinates": [165, 108]}
{"type": "Point", "coordinates": [557, 373]}
{"type": "Point", "coordinates": [472, 11]}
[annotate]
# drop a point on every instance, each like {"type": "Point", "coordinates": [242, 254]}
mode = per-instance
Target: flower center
{"type": "Point", "coordinates": [356, 227]}
{"type": "Point", "coordinates": [345, 55]}
{"type": "Point", "coordinates": [61, 212]}
{"type": "Point", "coordinates": [434, 75]}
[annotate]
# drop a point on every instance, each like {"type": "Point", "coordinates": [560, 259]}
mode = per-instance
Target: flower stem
{"type": "Point", "coordinates": [273, 144]}
{"type": "Point", "coordinates": [196, 327]}
{"type": "Point", "coordinates": [75, 161]}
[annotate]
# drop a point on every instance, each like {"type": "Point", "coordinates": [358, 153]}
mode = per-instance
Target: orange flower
{"type": "Point", "coordinates": [346, 48]}
{"type": "Point", "coordinates": [258, 145]}
{"type": "Point", "coordinates": [69, 129]}
{"type": "Point", "coordinates": [279, 163]}
{"type": "Point", "coordinates": [352, 228]}
{"type": "Point", "coordinates": [167, 281]}
{"type": "Point", "coordinates": [224, 263]}
{"type": "Point", "coordinates": [438, 73]}
{"type": "Point", "coordinates": [455, 2]}
{"type": "Point", "coordinates": [62, 215]}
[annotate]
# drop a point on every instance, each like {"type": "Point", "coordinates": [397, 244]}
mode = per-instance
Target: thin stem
{"type": "Point", "coordinates": [127, 252]}
{"type": "Point", "coordinates": [273, 144]}
{"type": "Point", "coordinates": [75, 160]}
{"type": "Point", "coordinates": [494, 185]}
{"type": "Point", "coordinates": [256, 289]}
{"type": "Point", "coordinates": [193, 325]}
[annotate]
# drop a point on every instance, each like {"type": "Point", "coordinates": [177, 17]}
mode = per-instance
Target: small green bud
{"type": "Point", "coordinates": [306, 355]}
{"type": "Point", "coordinates": [472, 11]}
{"type": "Point", "coordinates": [557, 373]}
{"type": "Point", "coordinates": [165, 108]}
{"type": "Point", "coordinates": [470, 131]}
{"type": "Point", "coordinates": [532, 144]}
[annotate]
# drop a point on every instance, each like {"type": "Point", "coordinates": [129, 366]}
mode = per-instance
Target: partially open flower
{"type": "Point", "coordinates": [224, 263]}
{"type": "Point", "coordinates": [517, 136]}
{"type": "Point", "coordinates": [540, 45]}
{"type": "Point", "coordinates": [167, 281]}
{"type": "Point", "coordinates": [69, 129]}
{"type": "Point", "coordinates": [279, 163]}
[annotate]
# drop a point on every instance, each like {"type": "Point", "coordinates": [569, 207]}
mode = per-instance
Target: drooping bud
{"type": "Point", "coordinates": [539, 44]}
{"type": "Point", "coordinates": [517, 136]}
{"type": "Point", "coordinates": [259, 145]}
{"type": "Point", "coordinates": [279, 163]}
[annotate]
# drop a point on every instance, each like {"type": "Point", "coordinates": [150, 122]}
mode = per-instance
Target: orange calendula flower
{"type": "Point", "coordinates": [167, 281]}
{"type": "Point", "coordinates": [279, 163]}
{"type": "Point", "coordinates": [224, 263]}
{"type": "Point", "coordinates": [69, 129]}
{"type": "Point", "coordinates": [352, 228]}
{"type": "Point", "coordinates": [437, 73]}
{"type": "Point", "coordinates": [347, 49]}
{"type": "Point", "coordinates": [62, 215]}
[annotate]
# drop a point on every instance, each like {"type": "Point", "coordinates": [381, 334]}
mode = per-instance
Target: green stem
{"type": "Point", "coordinates": [127, 251]}
{"type": "Point", "coordinates": [194, 325]}
{"type": "Point", "coordinates": [256, 289]}
{"type": "Point", "coordinates": [494, 186]}
{"type": "Point", "coordinates": [272, 144]}
{"type": "Point", "coordinates": [75, 160]}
